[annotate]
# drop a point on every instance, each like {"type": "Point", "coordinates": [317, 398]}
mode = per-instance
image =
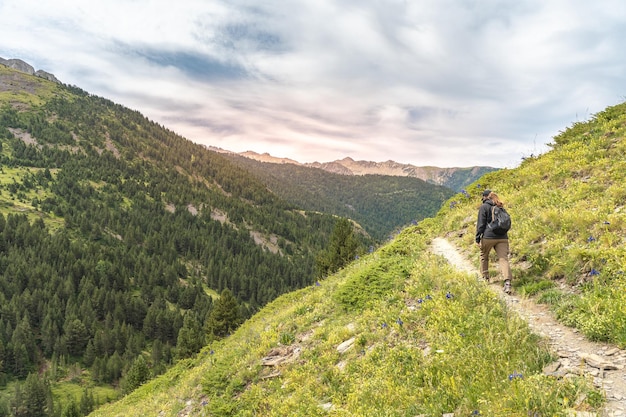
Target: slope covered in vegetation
{"type": "Point", "coordinates": [399, 333]}
{"type": "Point", "coordinates": [569, 211]}
{"type": "Point", "coordinates": [116, 236]}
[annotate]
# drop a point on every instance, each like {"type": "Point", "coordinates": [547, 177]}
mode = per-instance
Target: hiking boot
{"type": "Point", "coordinates": [507, 286]}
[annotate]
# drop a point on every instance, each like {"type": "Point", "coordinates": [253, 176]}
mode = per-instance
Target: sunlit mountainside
{"type": "Point", "coordinates": [399, 332]}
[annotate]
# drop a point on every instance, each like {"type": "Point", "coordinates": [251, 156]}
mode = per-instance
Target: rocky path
{"type": "Point", "coordinates": [605, 364]}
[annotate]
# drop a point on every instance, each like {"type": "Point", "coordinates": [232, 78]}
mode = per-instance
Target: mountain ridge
{"type": "Point", "coordinates": [454, 178]}
{"type": "Point", "coordinates": [381, 204]}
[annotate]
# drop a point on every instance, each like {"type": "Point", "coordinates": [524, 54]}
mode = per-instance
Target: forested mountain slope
{"type": "Point", "coordinates": [379, 203]}
{"type": "Point", "coordinates": [400, 333]}
{"type": "Point", "coordinates": [116, 236]}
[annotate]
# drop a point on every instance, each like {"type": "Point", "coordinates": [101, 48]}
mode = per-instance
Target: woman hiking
{"type": "Point", "coordinates": [488, 238]}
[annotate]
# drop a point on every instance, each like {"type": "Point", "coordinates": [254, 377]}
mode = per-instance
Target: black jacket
{"type": "Point", "coordinates": [484, 218]}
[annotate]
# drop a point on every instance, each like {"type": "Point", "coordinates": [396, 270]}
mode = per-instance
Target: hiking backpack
{"type": "Point", "coordinates": [500, 220]}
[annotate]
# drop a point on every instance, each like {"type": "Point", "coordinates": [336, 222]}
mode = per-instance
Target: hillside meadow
{"type": "Point", "coordinates": [400, 333]}
{"type": "Point", "coordinates": [423, 339]}
{"type": "Point", "coordinates": [569, 213]}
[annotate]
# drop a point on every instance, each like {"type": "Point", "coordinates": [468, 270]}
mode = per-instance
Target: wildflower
{"type": "Point", "coordinates": [211, 352]}
{"type": "Point", "coordinates": [453, 204]}
{"type": "Point", "coordinates": [475, 413]}
{"type": "Point", "coordinates": [428, 297]}
{"type": "Point", "coordinates": [465, 193]}
{"type": "Point", "coordinates": [420, 301]}
{"type": "Point", "coordinates": [449, 295]}
{"type": "Point", "coordinates": [515, 375]}
{"type": "Point", "coordinates": [591, 239]}
{"type": "Point", "coordinates": [317, 284]}
{"type": "Point", "coordinates": [607, 222]}
{"type": "Point", "coordinates": [594, 272]}
{"type": "Point", "coordinates": [371, 249]}
{"type": "Point", "coordinates": [384, 325]}
{"type": "Point", "coordinates": [400, 322]}
{"type": "Point", "coordinates": [356, 257]}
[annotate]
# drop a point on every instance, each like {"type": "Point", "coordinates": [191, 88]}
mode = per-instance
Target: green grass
{"type": "Point", "coordinates": [30, 90]}
{"type": "Point", "coordinates": [569, 224]}
{"type": "Point", "coordinates": [430, 341]}
{"type": "Point", "coordinates": [21, 202]}
{"type": "Point", "coordinates": [64, 391]}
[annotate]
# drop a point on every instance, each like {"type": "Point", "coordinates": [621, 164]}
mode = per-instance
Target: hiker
{"type": "Point", "coordinates": [487, 239]}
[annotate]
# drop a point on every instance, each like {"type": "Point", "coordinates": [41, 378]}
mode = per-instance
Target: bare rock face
{"type": "Point", "coordinates": [19, 65]}
{"type": "Point", "coordinates": [47, 76]}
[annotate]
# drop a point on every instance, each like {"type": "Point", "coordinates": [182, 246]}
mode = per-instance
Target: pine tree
{"type": "Point", "coordinates": [341, 250]}
{"type": "Point", "coordinates": [87, 402]}
{"type": "Point", "coordinates": [75, 337]}
{"type": "Point", "coordinates": [136, 375]}
{"type": "Point", "coordinates": [34, 399]}
{"type": "Point", "coordinates": [224, 317]}
{"type": "Point", "coordinates": [71, 410]}
{"type": "Point", "coordinates": [190, 336]}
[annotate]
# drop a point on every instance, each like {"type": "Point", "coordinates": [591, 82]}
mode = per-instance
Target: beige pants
{"type": "Point", "coordinates": [502, 250]}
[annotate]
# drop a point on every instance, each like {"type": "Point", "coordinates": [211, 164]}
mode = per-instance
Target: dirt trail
{"type": "Point", "coordinates": [604, 363]}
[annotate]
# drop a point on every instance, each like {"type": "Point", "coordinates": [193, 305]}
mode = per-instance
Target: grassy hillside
{"type": "Point", "coordinates": [379, 203]}
{"type": "Point", "coordinates": [425, 339]}
{"type": "Point", "coordinates": [569, 213]}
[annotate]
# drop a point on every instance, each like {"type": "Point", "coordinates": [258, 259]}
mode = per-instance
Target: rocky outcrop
{"type": "Point", "coordinates": [19, 65]}
{"type": "Point", "coordinates": [47, 76]}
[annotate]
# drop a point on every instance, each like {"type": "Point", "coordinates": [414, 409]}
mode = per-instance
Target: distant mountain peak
{"type": "Point", "coordinates": [454, 177]}
{"type": "Point", "coordinates": [22, 66]}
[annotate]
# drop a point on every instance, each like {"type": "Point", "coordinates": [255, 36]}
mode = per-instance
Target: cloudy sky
{"type": "Point", "coordinates": [426, 82]}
